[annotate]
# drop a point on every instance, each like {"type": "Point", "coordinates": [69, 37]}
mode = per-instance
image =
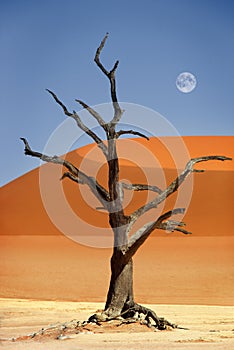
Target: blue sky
{"type": "Point", "coordinates": [51, 44]}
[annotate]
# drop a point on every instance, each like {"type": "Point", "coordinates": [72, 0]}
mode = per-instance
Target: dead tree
{"type": "Point", "coordinates": [120, 300]}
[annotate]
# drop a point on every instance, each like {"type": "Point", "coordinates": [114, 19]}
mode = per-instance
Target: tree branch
{"type": "Point", "coordinates": [94, 113]}
{"type": "Point", "coordinates": [172, 187]}
{"type": "Point", "coordinates": [74, 173]}
{"type": "Point", "coordinates": [140, 187]}
{"type": "Point", "coordinates": [172, 225]}
{"type": "Point", "coordinates": [80, 124]}
{"type": "Point", "coordinates": [111, 76]}
{"type": "Point", "coordinates": [139, 237]}
{"type": "Point", "coordinates": [72, 177]}
{"type": "Point", "coordinates": [123, 132]}
{"type": "Point", "coordinates": [66, 112]}
{"type": "Point", "coordinates": [97, 55]}
{"type": "Point", "coordinates": [89, 132]}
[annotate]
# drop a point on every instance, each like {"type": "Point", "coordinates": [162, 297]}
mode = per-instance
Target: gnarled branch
{"type": "Point", "coordinates": [94, 113]}
{"type": "Point", "coordinates": [172, 187]}
{"type": "Point", "coordinates": [74, 173]}
{"type": "Point", "coordinates": [111, 76]}
{"type": "Point", "coordinates": [132, 132]}
{"type": "Point", "coordinates": [139, 237]}
{"type": "Point", "coordinates": [80, 124]}
{"type": "Point", "coordinates": [72, 177]}
{"type": "Point", "coordinates": [97, 55]}
{"type": "Point", "coordinates": [141, 187]}
{"type": "Point", "coordinates": [172, 225]}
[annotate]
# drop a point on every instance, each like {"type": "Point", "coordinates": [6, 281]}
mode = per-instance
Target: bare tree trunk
{"type": "Point", "coordinates": [120, 294]}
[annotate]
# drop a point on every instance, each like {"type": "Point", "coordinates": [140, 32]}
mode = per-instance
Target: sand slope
{"type": "Point", "coordinates": [209, 212]}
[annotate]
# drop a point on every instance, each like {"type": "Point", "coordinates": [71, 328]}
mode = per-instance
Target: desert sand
{"type": "Point", "coordinates": [188, 279]}
{"type": "Point", "coordinates": [209, 327]}
{"type": "Point", "coordinates": [175, 270]}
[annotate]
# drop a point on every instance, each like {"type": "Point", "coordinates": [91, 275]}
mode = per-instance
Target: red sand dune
{"type": "Point", "coordinates": [38, 261]}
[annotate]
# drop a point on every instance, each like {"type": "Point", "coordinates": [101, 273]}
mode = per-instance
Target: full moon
{"type": "Point", "coordinates": [186, 82]}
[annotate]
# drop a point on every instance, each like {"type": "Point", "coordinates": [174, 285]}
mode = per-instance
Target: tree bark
{"type": "Point", "coordinates": [120, 294]}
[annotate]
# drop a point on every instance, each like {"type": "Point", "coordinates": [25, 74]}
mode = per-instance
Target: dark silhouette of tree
{"type": "Point", "coordinates": [120, 300]}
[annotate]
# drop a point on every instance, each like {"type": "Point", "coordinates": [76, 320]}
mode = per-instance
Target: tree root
{"type": "Point", "coordinates": [133, 312]}
{"type": "Point", "coordinates": [151, 319]}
